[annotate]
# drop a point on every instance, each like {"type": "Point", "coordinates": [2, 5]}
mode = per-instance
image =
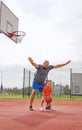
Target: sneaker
{"type": "Point", "coordinates": [48, 107]}
{"type": "Point", "coordinates": [52, 108]}
{"type": "Point", "coordinates": [30, 108]}
{"type": "Point", "coordinates": [41, 109]}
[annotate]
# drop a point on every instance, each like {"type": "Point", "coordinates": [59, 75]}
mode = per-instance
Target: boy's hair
{"type": "Point", "coordinates": [48, 81]}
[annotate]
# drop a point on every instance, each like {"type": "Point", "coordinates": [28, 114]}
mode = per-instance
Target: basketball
{"type": "Point", "coordinates": [48, 99]}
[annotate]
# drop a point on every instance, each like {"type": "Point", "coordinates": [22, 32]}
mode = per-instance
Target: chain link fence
{"type": "Point", "coordinates": [20, 82]}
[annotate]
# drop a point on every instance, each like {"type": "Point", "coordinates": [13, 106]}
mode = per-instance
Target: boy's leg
{"type": "Point", "coordinates": [41, 107]}
{"type": "Point", "coordinates": [42, 102]}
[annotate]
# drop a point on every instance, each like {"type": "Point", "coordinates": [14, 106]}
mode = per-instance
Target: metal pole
{"type": "Point", "coordinates": [1, 82]}
{"type": "Point", "coordinates": [23, 81]}
{"type": "Point", "coordinates": [70, 82]}
{"type": "Point", "coordinates": [53, 84]}
{"type": "Point", "coordinates": [29, 84]}
{"type": "Point", "coordinates": [60, 89]}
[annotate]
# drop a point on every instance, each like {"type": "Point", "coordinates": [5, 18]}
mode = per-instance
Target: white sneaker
{"type": "Point", "coordinates": [41, 109]}
{"type": "Point", "coordinates": [53, 109]}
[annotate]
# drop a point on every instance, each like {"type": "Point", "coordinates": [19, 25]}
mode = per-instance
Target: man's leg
{"type": "Point", "coordinates": [32, 99]}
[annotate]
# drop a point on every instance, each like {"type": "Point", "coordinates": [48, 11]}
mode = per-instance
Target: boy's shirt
{"type": "Point", "coordinates": [47, 90]}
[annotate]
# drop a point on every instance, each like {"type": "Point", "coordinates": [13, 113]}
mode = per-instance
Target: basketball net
{"type": "Point", "coordinates": [18, 35]}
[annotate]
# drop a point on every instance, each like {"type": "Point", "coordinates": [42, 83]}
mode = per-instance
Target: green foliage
{"type": "Point", "coordinates": [66, 90]}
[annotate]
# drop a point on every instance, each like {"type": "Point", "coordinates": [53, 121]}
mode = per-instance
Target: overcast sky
{"type": "Point", "coordinates": [53, 31]}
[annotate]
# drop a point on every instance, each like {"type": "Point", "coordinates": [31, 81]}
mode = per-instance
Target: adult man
{"type": "Point", "coordinates": [41, 74]}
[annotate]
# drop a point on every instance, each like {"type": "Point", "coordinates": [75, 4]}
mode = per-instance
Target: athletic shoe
{"type": "Point", "coordinates": [50, 108]}
{"type": "Point", "coordinates": [30, 108]}
{"type": "Point", "coordinates": [53, 109]}
{"type": "Point", "coordinates": [46, 108]}
{"type": "Point", "coordinates": [41, 109]}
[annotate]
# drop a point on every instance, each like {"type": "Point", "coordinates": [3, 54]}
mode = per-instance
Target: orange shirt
{"type": "Point", "coordinates": [47, 90]}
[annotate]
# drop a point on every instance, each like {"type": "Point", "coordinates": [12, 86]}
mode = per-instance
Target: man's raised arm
{"type": "Point", "coordinates": [33, 63]}
{"type": "Point", "coordinates": [61, 65]}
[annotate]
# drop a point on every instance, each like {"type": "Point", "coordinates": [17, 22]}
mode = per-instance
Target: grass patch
{"type": "Point", "coordinates": [10, 96]}
{"type": "Point", "coordinates": [62, 98]}
{"type": "Point", "coordinates": [68, 98]}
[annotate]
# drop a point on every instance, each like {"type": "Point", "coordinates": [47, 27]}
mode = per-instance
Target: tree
{"type": "Point", "coordinates": [66, 90]}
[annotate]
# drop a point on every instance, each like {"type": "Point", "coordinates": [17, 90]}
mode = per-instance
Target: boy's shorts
{"type": "Point", "coordinates": [37, 86]}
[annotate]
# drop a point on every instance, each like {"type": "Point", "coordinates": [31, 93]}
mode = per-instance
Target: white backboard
{"type": "Point", "coordinates": [8, 21]}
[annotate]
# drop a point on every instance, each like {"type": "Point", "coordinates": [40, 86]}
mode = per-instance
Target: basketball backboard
{"type": "Point", "coordinates": [8, 21]}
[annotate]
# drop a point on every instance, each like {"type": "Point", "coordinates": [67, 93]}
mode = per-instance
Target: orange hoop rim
{"type": "Point", "coordinates": [16, 34]}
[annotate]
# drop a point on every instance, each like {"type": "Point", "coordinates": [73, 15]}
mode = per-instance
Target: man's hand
{"type": "Point", "coordinates": [30, 59]}
{"type": "Point", "coordinates": [68, 62]}
{"type": "Point", "coordinates": [33, 63]}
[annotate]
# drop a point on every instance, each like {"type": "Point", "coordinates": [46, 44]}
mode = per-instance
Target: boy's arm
{"type": "Point", "coordinates": [33, 63]}
{"type": "Point", "coordinates": [61, 65]}
{"type": "Point", "coordinates": [50, 90]}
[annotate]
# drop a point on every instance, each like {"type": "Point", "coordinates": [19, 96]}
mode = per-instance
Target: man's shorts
{"type": "Point", "coordinates": [37, 86]}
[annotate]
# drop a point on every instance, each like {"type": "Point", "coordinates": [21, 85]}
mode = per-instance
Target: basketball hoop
{"type": "Point", "coordinates": [18, 35]}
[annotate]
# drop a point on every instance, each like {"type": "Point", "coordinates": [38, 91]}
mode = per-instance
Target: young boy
{"type": "Point", "coordinates": [46, 95]}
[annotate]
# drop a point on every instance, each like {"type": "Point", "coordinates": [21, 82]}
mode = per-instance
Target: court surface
{"type": "Point", "coordinates": [14, 115]}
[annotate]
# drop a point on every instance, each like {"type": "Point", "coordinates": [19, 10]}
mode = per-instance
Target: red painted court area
{"type": "Point", "coordinates": [14, 115]}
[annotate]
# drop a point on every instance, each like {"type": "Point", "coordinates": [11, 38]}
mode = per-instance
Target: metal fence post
{"type": "Point", "coordinates": [23, 81]}
{"type": "Point", "coordinates": [70, 81]}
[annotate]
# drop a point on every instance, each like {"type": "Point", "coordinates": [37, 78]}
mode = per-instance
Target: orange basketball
{"type": "Point", "coordinates": [48, 99]}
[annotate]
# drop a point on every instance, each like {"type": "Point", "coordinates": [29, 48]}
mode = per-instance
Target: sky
{"type": "Point", "coordinates": [53, 31]}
